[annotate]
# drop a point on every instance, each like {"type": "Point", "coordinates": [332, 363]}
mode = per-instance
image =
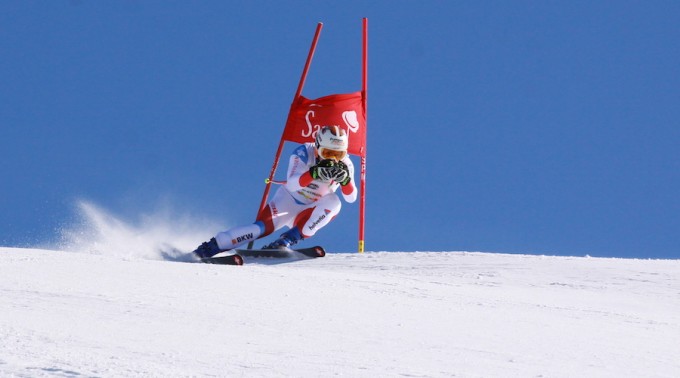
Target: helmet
{"type": "Point", "coordinates": [331, 143]}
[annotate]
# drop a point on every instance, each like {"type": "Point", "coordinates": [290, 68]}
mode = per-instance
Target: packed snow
{"type": "Point", "coordinates": [102, 313]}
{"type": "Point", "coordinates": [432, 314]}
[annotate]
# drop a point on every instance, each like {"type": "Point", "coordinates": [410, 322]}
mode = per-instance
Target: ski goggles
{"type": "Point", "coordinates": [327, 153]}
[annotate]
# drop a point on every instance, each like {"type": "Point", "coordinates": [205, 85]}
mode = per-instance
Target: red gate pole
{"type": "Point", "coordinates": [364, 96]}
{"type": "Point", "coordinates": [277, 157]}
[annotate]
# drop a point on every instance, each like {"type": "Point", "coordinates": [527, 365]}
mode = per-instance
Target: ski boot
{"type": "Point", "coordinates": [287, 239]}
{"type": "Point", "coordinates": [207, 249]}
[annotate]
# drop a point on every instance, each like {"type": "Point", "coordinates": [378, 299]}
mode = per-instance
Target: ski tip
{"type": "Point", "coordinates": [320, 252]}
{"type": "Point", "coordinates": [312, 252]}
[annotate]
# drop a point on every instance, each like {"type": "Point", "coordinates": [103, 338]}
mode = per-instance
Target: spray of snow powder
{"type": "Point", "coordinates": [159, 235]}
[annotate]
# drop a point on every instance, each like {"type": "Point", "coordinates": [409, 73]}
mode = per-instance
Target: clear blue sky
{"type": "Point", "coordinates": [523, 127]}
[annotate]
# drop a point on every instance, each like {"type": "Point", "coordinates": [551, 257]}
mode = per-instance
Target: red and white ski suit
{"type": "Point", "coordinates": [305, 202]}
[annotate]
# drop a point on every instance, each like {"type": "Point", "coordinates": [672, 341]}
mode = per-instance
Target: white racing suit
{"type": "Point", "coordinates": [303, 202]}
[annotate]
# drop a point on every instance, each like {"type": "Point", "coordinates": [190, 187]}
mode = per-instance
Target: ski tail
{"type": "Point", "coordinates": [235, 259]}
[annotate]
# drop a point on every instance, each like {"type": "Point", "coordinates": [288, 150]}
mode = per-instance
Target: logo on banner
{"type": "Point", "coordinates": [350, 118]}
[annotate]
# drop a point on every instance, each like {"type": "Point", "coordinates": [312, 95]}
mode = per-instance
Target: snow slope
{"type": "Point", "coordinates": [434, 314]}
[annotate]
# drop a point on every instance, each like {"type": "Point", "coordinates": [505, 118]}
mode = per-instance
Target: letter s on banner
{"type": "Point", "coordinates": [311, 129]}
{"type": "Point", "coordinates": [309, 125]}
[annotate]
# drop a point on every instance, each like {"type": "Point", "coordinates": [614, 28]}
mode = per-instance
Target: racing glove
{"type": "Point", "coordinates": [323, 170]}
{"type": "Point", "coordinates": [341, 174]}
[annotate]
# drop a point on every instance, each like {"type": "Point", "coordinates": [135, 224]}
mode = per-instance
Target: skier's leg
{"type": "Point", "coordinates": [239, 235]}
{"type": "Point", "coordinates": [309, 221]}
{"type": "Point", "coordinates": [276, 215]}
{"type": "Point", "coordinates": [272, 218]}
{"type": "Point", "coordinates": [229, 239]}
{"type": "Point", "coordinates": [293, 211]}
{"type": "Point", "coordinates": [279, 213]}
{"type": "Point", "coordinates": [321, 214]}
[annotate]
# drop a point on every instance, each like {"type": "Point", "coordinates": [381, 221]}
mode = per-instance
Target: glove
{"type": "Point", "coordinates": [323, 170]}
{"type": "Point", "coordinates": [341, 174]}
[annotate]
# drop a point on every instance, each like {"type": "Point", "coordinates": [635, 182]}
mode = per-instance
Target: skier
{"type": "Point", "coordinates": [306, 203]}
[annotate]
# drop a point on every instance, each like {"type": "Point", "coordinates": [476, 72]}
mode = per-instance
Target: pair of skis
{"type": "Point", "coordinates": [237, 258]}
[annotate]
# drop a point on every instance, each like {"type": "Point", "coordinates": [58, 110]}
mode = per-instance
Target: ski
{"type": "Point", "coordinates": [224, 260]}
{"type": "Point", "coordinates": [311, 252]}
{"type": "Point", "coordinates": [237, 258]}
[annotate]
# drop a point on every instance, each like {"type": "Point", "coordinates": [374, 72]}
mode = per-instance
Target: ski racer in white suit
{"type": "Point", "coordinates": [306, 203]}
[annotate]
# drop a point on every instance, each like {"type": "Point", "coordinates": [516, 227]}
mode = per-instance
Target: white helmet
{"type": "Point", "coordinates": [331, 143]}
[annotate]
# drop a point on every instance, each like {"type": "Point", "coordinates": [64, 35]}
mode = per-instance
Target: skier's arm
{"type": "Point", "coordinates": [298, 175]}
{"type": "Point", "coordinates": [349, 190]}
{"type": "Point", "coordinates": [305, 179]}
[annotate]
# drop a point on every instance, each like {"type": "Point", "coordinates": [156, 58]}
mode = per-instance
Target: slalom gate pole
{"type": "Point", "coordinates": [277, 157]}
{"type": "Point", "coordinates": [364, 96]}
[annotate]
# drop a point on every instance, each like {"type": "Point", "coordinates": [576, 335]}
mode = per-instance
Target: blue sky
{"type": "Point", "coordinates": [546, 127]}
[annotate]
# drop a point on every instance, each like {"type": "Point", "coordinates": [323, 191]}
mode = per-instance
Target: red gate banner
{"type": "Point", "coordinates": [347, 111]}
{"type": "Point", "coordinates": [344, 110]}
